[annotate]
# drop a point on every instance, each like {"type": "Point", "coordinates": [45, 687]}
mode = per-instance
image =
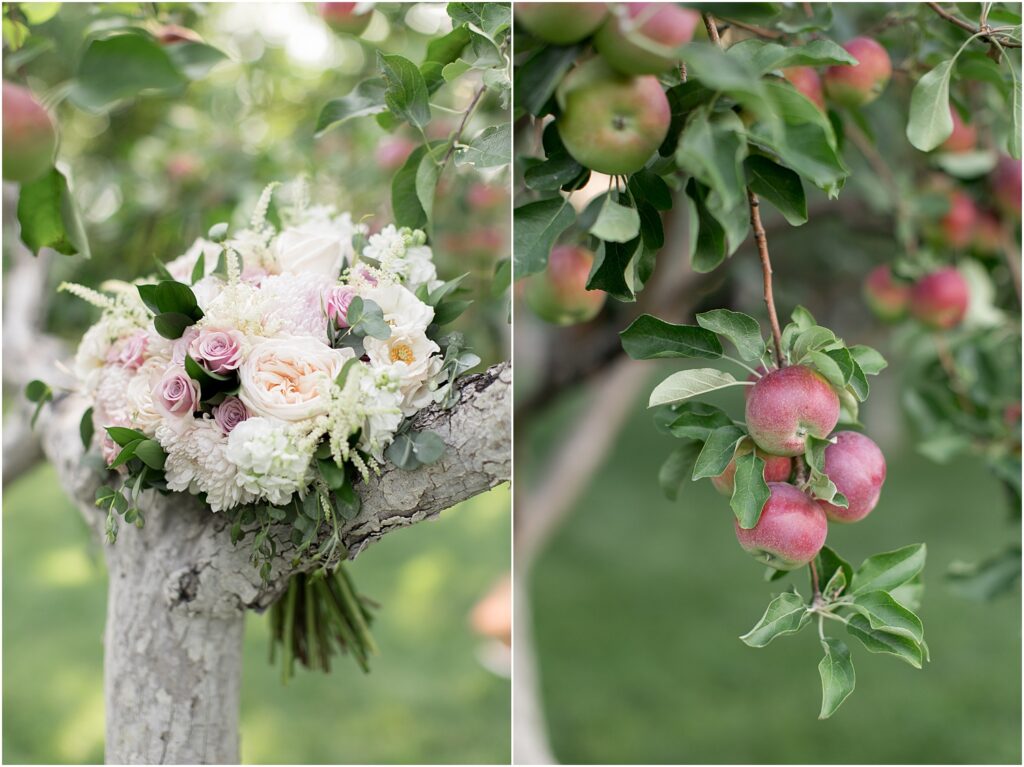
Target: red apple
{"type": "Point", "coordinates": [856, 466]}
{"type": "Point", "coordinates": [777, 468]}
{"type": "Point", "coordinates": [343, 18]}
{"type": "Point", "coordinates": [940, 299]}
{"type": "Point", "coordinates": [611, 123]}
{"type": "Point", "coordinates": [392, 152]}
{"type": "Point", "coordinates": [988, 234]}
{"type": "Point", "coordinates": [861, 83]}
{"type": "Point", "coordinates": [644, 38]}
{"type": "Point", "coordinates": [790, 532]}
{"type": "Point", "coordinates": [787, 406]}
{"type": "Point", "coordinates": [887, 297]}
{"type": "Point", "coordinates": [29, 135]}
{"type": "Point", "coordinates": [169, 34]}
{"type": "Point", "coordinates": [960, 221]}
{"type": "Point", "coordinates": [1006, 185]}
{"type": "Point", "coordinates": [559, 295]}
{"type": "Point", "coordinates": [808, 82]}
{"type": "Point", "coordinates": [963, 138]}
{"type": "Point", "coordinates": [560, 23]}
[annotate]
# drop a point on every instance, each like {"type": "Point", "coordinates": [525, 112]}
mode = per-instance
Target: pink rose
{"type": "Point", "coordinates": [368, 277]}
{"type": "Point", "coordinates": [229, 413]}
{"type": "Point", "coordinates": [176, 394]}
{"type": "Point", "coordinates": [336, 302]}
{"type": "Point", "coordinates": [219, 351]}
{"type": "Point", "coordinates": [181, 346]}
{"type": "Point", "coordinates": [130, 352]}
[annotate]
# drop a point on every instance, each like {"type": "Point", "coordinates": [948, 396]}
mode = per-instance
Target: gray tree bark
{"type": "Point", "coordinates": [179, 589]}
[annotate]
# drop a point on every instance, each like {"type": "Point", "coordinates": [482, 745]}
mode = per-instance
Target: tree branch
{"type": "Point", "coordinates": [967, 26]}
{"type": "Point", "coordinates": [209, 575]}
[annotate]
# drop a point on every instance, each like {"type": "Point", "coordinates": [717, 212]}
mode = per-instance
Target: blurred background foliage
{"type": "Point", "coordinates": [150, 175]}
{"type": "Point", "coordinates": [637, 603]}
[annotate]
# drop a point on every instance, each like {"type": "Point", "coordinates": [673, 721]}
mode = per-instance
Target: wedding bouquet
{"type": "Point", "coordinates": [267, 370]}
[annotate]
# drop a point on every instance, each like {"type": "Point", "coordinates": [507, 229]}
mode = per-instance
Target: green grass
{"type": "Point", "coordinates": [639, 602]}
{"type": "Point", "coordinates": [427, 698]}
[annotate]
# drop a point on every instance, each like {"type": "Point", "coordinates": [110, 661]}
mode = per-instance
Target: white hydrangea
{"type": "Point", "coordinates": [198, 462]}
{"type": "Point", "coordinates": [271, 464]}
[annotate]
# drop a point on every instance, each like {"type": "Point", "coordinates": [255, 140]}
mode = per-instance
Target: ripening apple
{"type": "Point", "coordinates": [808, 82]}
{"type": "Point", "coordinates": [29, 135]}
{"type": "Point", "coordinates": [988, 234]}
{"type": "Point", "coordinates": [963, 138]}
{"type": "Point", "coordinates": [787, 406]}
{"type": "Point", "coordinates": [559, 295]}
{"type": "Point", "coordinates": [940, 299]}
{"type": "Point", "coordinates": [1006, 186]}
{"type": "Point", "coordinates": [856, 466]}
{"type": "Point", "coordinates": [643, 38]}
{"type": "Point", "coordinates": [392, 152]}
{"type": "Point", "coordinates": [888, 298]}
{"type": "Point", "coordinates": [610, 122]}
{"type": "Point", "coordinates": [561, 23]}
{"type": "Point", "coordinates": [858, 84]}
{"type": "Point", "coordinates": [960, 221]}
{"type": "Point", "coordinates": [777, 468]}
{"type": "Point", "coordinates": [790, 532]}
{"type": "Point", "coordinates": [344, 19]}
{"type": "Point", "coordinates": [171, 34]}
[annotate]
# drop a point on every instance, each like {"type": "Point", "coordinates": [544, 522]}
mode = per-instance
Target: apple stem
{"type": "Point", "coordinates": [968, 26]}
{"type": "Point", "coordinates": [759, 235]}
{"type": "Point", "coordinates": [814, 582]}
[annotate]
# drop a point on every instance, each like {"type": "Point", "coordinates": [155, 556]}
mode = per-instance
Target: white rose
{"type": "Point", "coordinates": [318, 247]}
{"type": "Point", "coordinates": [405, 313]}
{"type": "Point", "coordinates": [408, 359]}
{"type": "Point", "coordinates": [290, 377]}
{"type": "Point", "coordinates": [420, 268]}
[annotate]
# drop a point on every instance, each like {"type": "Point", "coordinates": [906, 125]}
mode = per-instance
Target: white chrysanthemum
{"type": "Point", "coordinates": [111, 395]}
{"type": "Point", "coordinates": [197, 462]}
{"type": "Point", "coordinates": [270, 463]}
{"type": "Point", "coordinates": [142, 412]}
{"type": "Point", "coordinates": [182, 266]}
{"type": "Point", "coordinates": [293, 304]}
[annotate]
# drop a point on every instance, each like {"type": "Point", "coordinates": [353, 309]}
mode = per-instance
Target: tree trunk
{"type": "Point", "coordinates": [172, 676]}
{"type": "Point", "coordinates": [179, 588]}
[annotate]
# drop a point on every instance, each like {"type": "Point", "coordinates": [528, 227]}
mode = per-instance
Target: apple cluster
{"type": "Point", "coordinates": [784, 409]}
{"type": "Point", "coordinates": [614, 112]}
{"type": "Point", "coordinates": [29, 135]}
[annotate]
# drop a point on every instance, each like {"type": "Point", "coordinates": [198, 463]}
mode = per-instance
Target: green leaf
{"type": "Point", "coordinates": [120, 67]}
{"type": "Point", "coordinates": [767, 56]}
{"type": "Point", "coordinates": [427, 446]}
{"type": "Point", "coordinates": [449, 311]}
{"type": "Point", "coordinates": [405, 90]}
{"type": "Point", "coordinates": [538, 76]}
{"type": "Point", "coordinates": [194, 59]}
{"type": "Point", "coordinates": [491, 18]}
{"type": "Point", "coordinates": [691, 420]}
{"type": "Point", "coordinates": [742, 329]}
{"type": "Point", "coordinates": [829, 562]}
{"type": "Point", "coordinates": [780, 186]}
{"type": "Point", "coordinates": [554, 173]}
{"type": "Point", "coordinates": [536, 226]}
{"type": "Point", "coordinates": [707, 236]}
{"type": "Point", "coordinates": [750, 492]}
{"type": "Point", "coordinates": [881, 641]}
{"type": "Point", "coordinates": [126, 454]}
{"type": "Point", "coordinates": [649, 186]}
{"type": "Point", "coordinates": [827, 366]}
{"type": "Point", "coordinates": [86, 428]}
{"type": "Point", "coordinates": [834, 586]}
{"type": "Point", "coordinates": [611, 269]}
{"type": "Point", "coordinates": [151, 454]}
{"type": "Point", "coordinates": [405, 202]}
{"type": "Point", "coordinates": [930, 121]}
{"type": "Point", "coordinates": [38, 391]}
{"type": "Point", "coordinates": [811, 339]}
{"type": "Point", "coordinates": [859, 383]}
{"type": "Point", "coordinates": [49, 217]}
{"type": "Point", "coordinates": [678, 468]}
{"type": "Point", "coordinates": [427, 175]}
{"type": "Point", "coordinates": [987, 579]}
{"type": "Point", "coordinates": [615, 222]}
{"type": "Point", "coordinates": [367, 98]}
{"type": "Point", "coordinates": [837, 676]}
{"type": "Point", "coordinates": [712, 150]}
{"type": "Point", "coordinates": [172, 324]}
{"type": "Point", "coordinates": [649, 338]}
{"type": "Point", "coordinates": [718, 71]}
{"type": "Point", "coordinates": [786, 614]}
{"type": "Point", "coordinates": [885, 613]}
{"type": "Point", "coordinates": [717, 452]}
{"type": "Point", "coordinates": [870, 361]}
{"type": "Point", "coordinates": [690, 383]}
{"type": "Point", "coordinates": [491, 148]}
{"type": "Point", "coordinates": [884, 572]}
{"type": "Point", "coordinates": [333, 475]}
{"type": "Point", "coordinates": [844, 360]}
{"type": "Point", "coordinates": [170, 296]}
{"type": "Point", "coordinates": [441, 52]}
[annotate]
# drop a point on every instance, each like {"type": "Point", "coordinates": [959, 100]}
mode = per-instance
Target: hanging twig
{"type": "Point", "coordinates": [967, 26]}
